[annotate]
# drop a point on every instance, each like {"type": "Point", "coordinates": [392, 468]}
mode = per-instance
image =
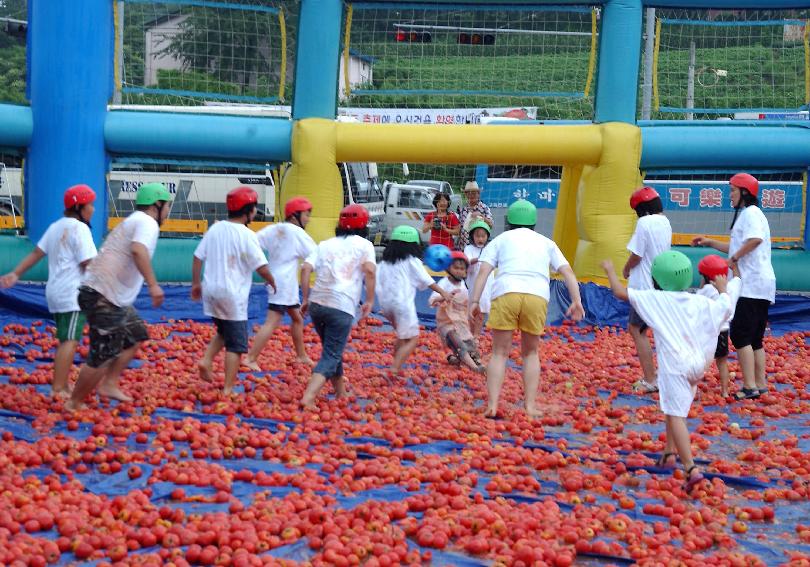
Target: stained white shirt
{"type": "Point", "coordinates": [653, 235]}
{"type": "Point", "coordinates": [286, 244]}
{"type": "Point", "coordinates": [756, 270]}
{"type": "Point", "coordinates": [338, 264]}
{"type": "Point", "coordinates": [113, 272]}
{"type": "Point", "coordinates": [67, 244]}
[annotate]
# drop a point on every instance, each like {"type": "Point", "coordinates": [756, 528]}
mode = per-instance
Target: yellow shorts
{"type": "Point", "coordinates": [522, 311]}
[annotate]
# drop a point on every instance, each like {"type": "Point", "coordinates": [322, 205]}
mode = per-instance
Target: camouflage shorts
{"type": "Point", "coordinates": [113, 329]}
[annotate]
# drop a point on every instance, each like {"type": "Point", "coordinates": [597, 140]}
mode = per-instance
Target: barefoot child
{"type": "Point", "coordinates": [709, 268]}
{"type": "Point", "coordinates": [231, 253]}
{"type": "Point", "coordinates": [479, 235]}
{"type": "Point", "coordinates": [520, 295]}
{"type": "Point", "coordinates": [111, 285]}
{"type": "Point", "coordinates": [686, 326]}
{"type": "Point", "coordinates": [287, 244]}
{"type": "Point", "coordinates": [69, 247]}
{"type": "Point", "coordinates": [341, 264]}
{"type": "Point", "coordinates": [652, 236]}
{"type": "Point", "coordinates": [453, 315]}
{"type": "Point", "coordinates": [399, 275]}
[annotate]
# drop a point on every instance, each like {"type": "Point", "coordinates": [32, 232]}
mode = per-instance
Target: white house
{"type": "Point", "coordinates": [158, 36]}
{"type": "Point", "coordinates": [360, 72]}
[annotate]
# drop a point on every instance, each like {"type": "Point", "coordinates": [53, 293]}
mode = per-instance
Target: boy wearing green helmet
{"type": "Point", "coordinates": [399, 274]}
{"type": "Point", "coordinates": [478, 235]}
{"type": "Point", "coordinates": [111, 285]}
{"type": "Point", "coordinates": [686, 326]}
{"type": "Point", "coordinates": [520, 295]}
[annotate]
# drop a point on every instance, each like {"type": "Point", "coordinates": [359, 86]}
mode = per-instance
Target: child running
{"type": "Point", "coordinates": [399, 275]}
{"type": "Point", "coordinates": [479, 232]}
{"type": "Point", "coordinates": [686, 326]}
{"type": "Point", "coordinates": [520, 295]}
{"type": "Point", "coordinates": [231, 253]}
{"type": "Point", "coordinates": [453, 315]}
{"type": "Point", "coordinates": [287, 244]}
{"type": "Point", "coordinates": [111, 284]}
{"type": "Point", "coordinates": [709, 268]}
{"type": "Point", "coordinates": [69, 247]}
{"type": "Point", "coordinates": [341, 265]}
{"type": "Point", "coordinates": [653, 235]}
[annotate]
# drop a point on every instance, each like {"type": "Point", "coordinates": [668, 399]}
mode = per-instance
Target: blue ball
{"type": "Point", "coordinates": [438, 257]}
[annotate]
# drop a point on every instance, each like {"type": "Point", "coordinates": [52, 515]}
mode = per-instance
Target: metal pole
{"type": "Point", "coordinates": [690, 85]}
{"type": "Point", "coordinates": [119, 52]}
{"type": "Point", "coordinates": [649, 47]}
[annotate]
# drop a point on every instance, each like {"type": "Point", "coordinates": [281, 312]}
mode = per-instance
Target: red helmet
{"type": "Point", "coordinates": [712, 266]}
{"type": "Point", "coordinates": [745, 181]}
{"type": "Point", "coordinates": [296, 205]}
{"type": "Point", "coordinates": [459, 255]}
{"type": "Point", "coordinates": [241, 197]}
{"type": "Point", "coordinates": [353, 216]}
{"type": "Point", "coordinates": [79, 195]}
{"type": "Point", "coordinates": [642, 196]}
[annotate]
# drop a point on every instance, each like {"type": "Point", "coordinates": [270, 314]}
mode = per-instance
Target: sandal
{"type": "Point", "coordinates": [663, 461]}
{"type": "Point", "coordinates": [453, 360]}
{"type": "Point", "coordinates": [692, 480]}
{"type": "Point", "coordinates": [644, 387]}
{"type": "Point", "coordinates": [762, 391]}
{"type": "Point", "coordinates": [747, 394]}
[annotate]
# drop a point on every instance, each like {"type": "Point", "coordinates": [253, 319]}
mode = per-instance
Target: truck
{"type": "Point", "coordinates": [408, 203]}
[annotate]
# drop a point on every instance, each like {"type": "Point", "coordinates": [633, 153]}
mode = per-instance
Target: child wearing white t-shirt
{"type": "Point", "coordinates": [453, 321]}
{"type": "Point", "coordinates": [399, 275]}
{"type": "Point", "coordinates": [287, 244]}
{"type": "Point", "coordinates": [686, 326]}
{"type": "Point", "coordinates": [342, 265]}
{"type": "Point", "coordinates": [479, 232]}
{"type": "Point", "coordinates": [653, 235]}
{"type": "Point", "coordinates": [231, 253]}
{"type": "Point", "coordinates": [111, 284]}
{"type": "Point", "coordinates": [69, 247]}
{"type": "Point", "coordinates": [709, 268]}
{"type": "Point", "coordinates": [750, 249]}
{"type": "Point", "coordinates": [520, 295]}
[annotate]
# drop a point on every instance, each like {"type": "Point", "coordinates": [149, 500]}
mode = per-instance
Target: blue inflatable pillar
{"type": "Point", "coordinates": [619, 61]}
{"type": "Point", "coordinates": [70, 70]}
{"type": "Point", "coordinates": [318, 59]}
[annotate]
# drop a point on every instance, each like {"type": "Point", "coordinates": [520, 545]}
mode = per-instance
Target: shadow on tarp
{"type": "Point", "coordinates": [25, 303]}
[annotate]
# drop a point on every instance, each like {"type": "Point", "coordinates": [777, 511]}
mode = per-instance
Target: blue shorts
{"type": "Point", "coordinates": [333, 327]}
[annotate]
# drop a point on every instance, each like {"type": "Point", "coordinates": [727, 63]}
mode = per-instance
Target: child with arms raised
{"type": "Point", "coordinates": [686, 326]}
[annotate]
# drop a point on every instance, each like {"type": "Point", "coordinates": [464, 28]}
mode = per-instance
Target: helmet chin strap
{"type": "Point", "coordinates": [453, 277]}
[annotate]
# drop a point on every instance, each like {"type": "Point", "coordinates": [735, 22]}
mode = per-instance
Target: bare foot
{"type": "Point", "coordinates": [60, 394]}
{"type": "Point", "coordinates": [491, 412]}
{"type": "Point", "coordinates": [114, 393]}
{"type": "Point", "coordinates": [304, 360]}
{"type": "Point", "coordinates": [71, 406]}
{"type": "Point", "coordinates": [308, 404]}
{"type": "Point", "coordinates": [252, 364]}
{"type": "Point", "coordinates": [205, 372]}
{"type": "Point", "coordinates": [533, 412]}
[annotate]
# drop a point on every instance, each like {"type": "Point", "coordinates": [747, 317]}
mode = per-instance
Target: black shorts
{"type": "Point", "coordinates": [635, 319]}
{"type": "Point", "coordinates": [234, 333]}
{"type": "Point", "coordinates": [275, 307]}
{"type": "Point", "coordinates": [113, 329]}
{"type": "Point", "coordinates": [749, 323]}
{"type": "Point", "coordinates": [721, 350]}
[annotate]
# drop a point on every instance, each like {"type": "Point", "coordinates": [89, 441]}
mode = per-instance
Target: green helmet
{"type": "Point", "coordinates": [521, 213]}
{"type": "Point", "coordinates": [151, 193]}
{"type": "Point", "coordinates": [672, 271]}
{"type": "Point", "coordinates": [405, 233]}
{"type": "Point", "coordinates": [479, 224]}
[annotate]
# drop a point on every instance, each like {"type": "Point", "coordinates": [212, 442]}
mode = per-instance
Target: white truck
{"type": "Point", "coordinates": [408, 204]}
